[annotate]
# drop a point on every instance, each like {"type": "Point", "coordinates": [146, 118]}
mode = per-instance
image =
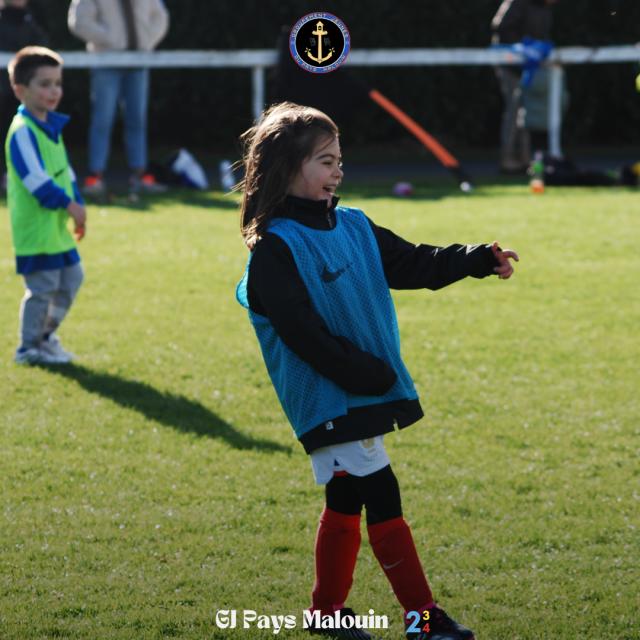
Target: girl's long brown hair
{"type": "Point", "coordinates": [273, 152]}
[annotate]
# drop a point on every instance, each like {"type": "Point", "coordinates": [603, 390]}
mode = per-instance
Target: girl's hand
{"type": "Point", "coordinates": [504, 269]}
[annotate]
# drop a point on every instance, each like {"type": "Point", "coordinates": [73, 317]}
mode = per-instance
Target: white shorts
{"type": "Point", "coordinates": [358, 458]}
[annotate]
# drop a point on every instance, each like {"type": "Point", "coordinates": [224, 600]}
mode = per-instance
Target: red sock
{"type": "Point", "coordinates": [337, 545]}
{"type": "Point", "coordinates": [393, 546]}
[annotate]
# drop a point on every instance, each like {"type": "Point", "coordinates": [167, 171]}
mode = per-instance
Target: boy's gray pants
{"type": "Point", "coordinates": [48, 297]}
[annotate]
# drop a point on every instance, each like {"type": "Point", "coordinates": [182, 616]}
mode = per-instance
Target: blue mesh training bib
{"type": "Point", "coordinates": [343, 273]}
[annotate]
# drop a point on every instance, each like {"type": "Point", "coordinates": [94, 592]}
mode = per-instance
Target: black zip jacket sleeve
{"type": "Point", "coordinates": [423, 266]}
{"type": "Point", "coordinates": [277, 291]}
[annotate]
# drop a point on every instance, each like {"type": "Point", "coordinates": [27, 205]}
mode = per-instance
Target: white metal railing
{"type": "Point", "coordinates": [259, 59]}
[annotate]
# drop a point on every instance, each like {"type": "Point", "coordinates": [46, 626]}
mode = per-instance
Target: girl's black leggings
{"type": "Point", "coordinates": [378, 492]}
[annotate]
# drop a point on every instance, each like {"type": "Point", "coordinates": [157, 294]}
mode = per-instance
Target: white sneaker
{"type": "Point", "coordinates": [27, 356]}
{"type": "Point", "coordinates": [53, 351]}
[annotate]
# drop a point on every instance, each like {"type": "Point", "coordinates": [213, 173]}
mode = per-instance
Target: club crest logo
{"type": "Point", "coordinates": [319, 42]}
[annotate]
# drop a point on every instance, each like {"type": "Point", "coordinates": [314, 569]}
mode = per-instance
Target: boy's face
{"type": "Point", "coordinates": [321, 172]}
{"type": "Point", "coordinates": [43, 93]}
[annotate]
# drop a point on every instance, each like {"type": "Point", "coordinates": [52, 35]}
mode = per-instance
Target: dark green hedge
{"type": "Point", "coordinates": [208, 109]}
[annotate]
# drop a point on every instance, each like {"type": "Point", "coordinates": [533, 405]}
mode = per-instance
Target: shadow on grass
{"type": "Point", "coordinates": [424, 191]}
{"type": "Point", "coordinates": [373, 187]}
{"type": "Point", "coordinates": [166, 408]}
{"type": "Point", "coordinates": [211, 199]}
{"type": "Point", "coordinates": [204, 199]}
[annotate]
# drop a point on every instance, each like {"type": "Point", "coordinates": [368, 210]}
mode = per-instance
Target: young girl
{"type": "Point", "coordinates": [317, 290]}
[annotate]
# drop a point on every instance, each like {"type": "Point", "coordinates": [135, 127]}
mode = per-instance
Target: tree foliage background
{"type": "Point", "coordinates": [207, 109]}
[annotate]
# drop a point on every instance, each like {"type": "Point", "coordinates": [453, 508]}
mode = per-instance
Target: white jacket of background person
{"type": "Point", "coordinates": [101, 23]}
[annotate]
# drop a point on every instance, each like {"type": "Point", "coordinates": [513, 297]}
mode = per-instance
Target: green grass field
{"type": "Point", "coordinates": [156, 481]}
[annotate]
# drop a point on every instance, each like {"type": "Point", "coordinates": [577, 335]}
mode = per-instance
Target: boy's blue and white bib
{"type": "Point", "coordinates": [343, 273]}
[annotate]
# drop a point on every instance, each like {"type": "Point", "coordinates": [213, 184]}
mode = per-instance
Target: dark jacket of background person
{"type": "Point", "coordinates": [516, 19]}
{"type": "Point", "coordinates": [18, 29]}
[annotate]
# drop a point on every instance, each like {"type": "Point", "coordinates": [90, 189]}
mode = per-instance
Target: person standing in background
{"type": "Point", "coordinates": [18, 29]}
{"type": "Point", "coordinates": [119, 25]}
{"type": "Point", "coordinates": [515, 20]}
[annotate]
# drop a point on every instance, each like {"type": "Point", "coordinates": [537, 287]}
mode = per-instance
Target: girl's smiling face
{"type": "Point", "coordinates": [320, 174]}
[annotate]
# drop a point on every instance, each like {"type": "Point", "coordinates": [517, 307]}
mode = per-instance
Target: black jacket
{"type": "Point", "coordinates": [276, 290]}
{"type": "Point", "coordinates": [516, 19]}
{"type": "Point", "coordinates": [17, 30]}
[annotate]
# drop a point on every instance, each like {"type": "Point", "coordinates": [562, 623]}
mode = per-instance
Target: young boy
{"type": "Point", "coordinates": [42, 194]}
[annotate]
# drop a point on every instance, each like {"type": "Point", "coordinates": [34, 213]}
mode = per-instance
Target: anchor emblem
{"type": "Point", "coordinates": [319, 32]}
{"type": "Point", "coordinates": [319, 42]}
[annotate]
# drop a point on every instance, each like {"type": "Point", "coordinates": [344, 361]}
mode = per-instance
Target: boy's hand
{"type": "Point", "coordinates": [78, 213]}
{"type": "Point", "coordinates": [79, 231]}
{"type": "Point", "coordinates": [504, 269]}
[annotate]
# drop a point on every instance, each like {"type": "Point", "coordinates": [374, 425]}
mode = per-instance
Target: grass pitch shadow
{"type": "Point", "coordinates": [169, 409]}
{"type": "Point", "coordinates": [209, 199]}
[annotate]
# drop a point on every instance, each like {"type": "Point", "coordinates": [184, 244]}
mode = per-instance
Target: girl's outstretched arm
{"type": "Point", "coordinates": [423, 266]}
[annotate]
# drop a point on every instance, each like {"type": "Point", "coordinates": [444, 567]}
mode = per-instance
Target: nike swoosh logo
{"type": "Point", "coordinates": [331, 276]}
{"type": "Point", "coordinates": [386, 567]}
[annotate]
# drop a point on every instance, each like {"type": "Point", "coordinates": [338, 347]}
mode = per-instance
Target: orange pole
{"type": "Point", "coordinates": [411, 125]}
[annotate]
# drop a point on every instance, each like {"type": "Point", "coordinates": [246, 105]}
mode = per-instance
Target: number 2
{"type": "Point", "coordinates": [413, 627]}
